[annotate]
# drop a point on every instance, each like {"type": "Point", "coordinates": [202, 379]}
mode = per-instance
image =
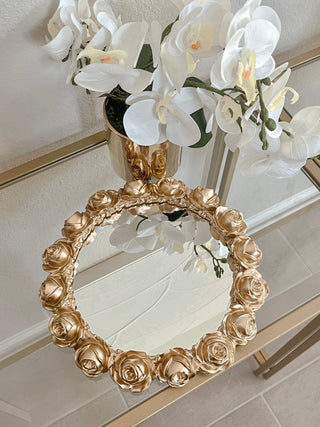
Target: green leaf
{"type": "Point", "coordinates": [174, 216]}
{"type": "Point", "coordinates": [167, 30]}
{"type": "Point", "coordinates": [193, 80]}
{"type": "Point", "coordinates": [145, 58]}
{"type": "Point", "coordinates": [199, 118]}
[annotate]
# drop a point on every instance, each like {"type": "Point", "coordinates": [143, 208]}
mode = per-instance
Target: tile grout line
{"type": "Point", "coordinates": [271, 410]}
{"type": "Point", "coordinates": [233, 410]}
{"type": "Point", "coordinates": [301, 368]}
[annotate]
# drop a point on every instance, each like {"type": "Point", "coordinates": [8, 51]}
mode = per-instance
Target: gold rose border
{"type": "Point", "coordinates": [134, 370]}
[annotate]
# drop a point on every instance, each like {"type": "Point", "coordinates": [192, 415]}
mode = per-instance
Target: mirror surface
{"type": "Point", "coordinates": [161, 291]}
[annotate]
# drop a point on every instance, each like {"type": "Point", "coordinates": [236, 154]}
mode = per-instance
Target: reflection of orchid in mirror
{"type": "Point", "coordinates": [176, 232]}
{"type": "Point", "coordinates": [154, 73]}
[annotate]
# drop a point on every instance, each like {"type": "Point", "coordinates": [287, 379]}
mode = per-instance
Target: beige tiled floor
{"type": "Point", "coordinates": [290, 398]}
{"type": "Point", "coordinates": [238, 398]}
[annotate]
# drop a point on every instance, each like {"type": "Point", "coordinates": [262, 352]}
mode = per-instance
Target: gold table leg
{"type": "Point", "coordinates": [303, 340]}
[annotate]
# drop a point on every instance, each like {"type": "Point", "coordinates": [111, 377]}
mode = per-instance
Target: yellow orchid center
{"type": "Point", "coordinates": [278, 101]}
{"type": "Point", "coordinates": [109, 57]}
{"type": "Point", "coordinates": [196, 45]}
{"type": "Point", "coordinates": [200, 38]}
{"type": "Point", "coordinates": [230, 109]}
{"type": "Point", "coordinates": [163, 106]}
{"type": "Point", "coordinates": [246, 79]}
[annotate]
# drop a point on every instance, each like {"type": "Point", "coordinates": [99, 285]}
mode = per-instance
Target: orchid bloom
{"type": "Point", "coordinates": [228, 112]}
{"type": "Point", "coordinates": [274, 99]}
{"type": "Point", "coordinates": [106, 17]}
{"type": "Point", "coordinates": [288, 153]}
{"type": "Point", "coordinates": [69, 27]}
{"type": "Point", "coordinates": [199, 32]}
{"type": "Point", "coordinates": [115, 65]}
{"type": "Point", "coordinates": [162, 114]}
{"type": "Point", "coordinates": [248, 53]}
{"type": "Point", "coordinates": [133, 234]}
{"type": "Point", "coordinates": [301, 139]}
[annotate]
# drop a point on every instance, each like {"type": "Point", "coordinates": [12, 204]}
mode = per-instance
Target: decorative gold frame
{"type": "Point", "coordinates": [134, 370]}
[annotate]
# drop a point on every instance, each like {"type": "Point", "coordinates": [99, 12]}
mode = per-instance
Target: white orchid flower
{"type": "Point", "coordinates": [162, 114]}
{"type": "Point", "coordinates": [274, 99]}
{"type": "Point", "coordinates": [271, 162]}
{"type": "Point", "coordinates": [287, 154]}
{"type": "Point", "coordinates": [115, 65]}
{"type": "Point", "coordinates": [199, 32]}
{"type": "Point", "coordinates": [228, 112]}
{"type": "Point", "coordinates": [106, 17]}
{"type": "Point", "coordinates": [70, 27]}
{"type": "Point", "coordinates": [209, 104]}
{"type": "Point", "coordinates": [250, 11]}
{"type": "Point", "coordinates": [247, 57]}
{"type": "Point", "coordinates": [303, 140]}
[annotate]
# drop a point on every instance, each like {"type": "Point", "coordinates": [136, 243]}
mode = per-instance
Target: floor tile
{"type": "Point", "coordinates": [303, 233]}
{"type": "Point", "coordinates": [295, 401]}
{"type": "Point", "coordinates": [95, 413]}
{"type": "Point", "coordinates": [238, 383]}
{"type": "Point", "coordinates": [276, 307]}
{"type": "Point", "coordinates": [253, 414]}
{"type": "Point", "coordinates": [281, 267]}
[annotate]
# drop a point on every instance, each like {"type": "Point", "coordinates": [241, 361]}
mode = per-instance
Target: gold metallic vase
{"type": "Point", "coordinates": [132, 161]}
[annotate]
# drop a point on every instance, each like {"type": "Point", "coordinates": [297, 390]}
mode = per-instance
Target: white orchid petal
{"type": "Point", "coordinates": [149, 94]}
{"type": "Point", "coordinates": [294, 148]}
{"type": "Point", "coordinates": [268, 14]}
{"type": "Point", "coordinates": [101, 39]}
{"type": "Point", "coordinates": [141, 123]}
{"type": "Point", "coordinates": [155, 41]}
{"type": "Point", "coordinates": [148, 242]}
{"type": "Point", "coordinates": [130, 38]}
{"type": "Point", "coordinates": [188, 100]}
{"type": "Point", "coordinates": [271, 91]}
{"type": "Point", "coordinates": [313, 145]}
{"type": "Point", "coordinates": [84, 9]}
{"type": "Point", "coordinates": [202, 234]}
{"type": "Point", "coordinates": [100, 77]}
{"type": "Point", "coordinates": [122, 235]}
{"type": "Point", "coordinates": [175, 66]}
{"type": "Point", "coordinates": [266, 69]}
{"type": "Point", "coordinates": [181, 128]}
{"type": "Point", "coordinates": [135, 81]}
{"type": "Point", "coordinates": [172, 233]}
{"type": "Point", "coordinates": [209, 126]}
{"type": "Point", "coordinates": [227, 107]}
{"type": "Point", "coordinates": [147, 227]}
{"type": "Point", "coordinates": [215, 73]}
{"type": "Point", "coordinates": [262, 37]}
{"type": "Point", "coordinates": [231, 56]}
{"type": "Point", "coordinates": [242, 17]}
{"type": "Point", "coordinates": [307, 121]}
{"type": "Point", "coordinates": [59, 47]}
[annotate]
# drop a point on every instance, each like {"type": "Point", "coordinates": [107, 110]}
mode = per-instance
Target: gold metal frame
{"type": "Point", "coordinates": [134, 370]}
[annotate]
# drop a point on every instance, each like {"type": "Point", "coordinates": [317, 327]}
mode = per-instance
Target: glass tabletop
{"type": "Point", "coordinates": [45, 387]}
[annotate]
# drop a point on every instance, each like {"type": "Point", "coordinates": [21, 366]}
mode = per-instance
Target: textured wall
{"type": "Point", "coordinates": [37, 109]}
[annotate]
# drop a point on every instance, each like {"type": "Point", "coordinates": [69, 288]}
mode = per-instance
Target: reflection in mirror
{"type": "Point", "coordinates": [159, 301]}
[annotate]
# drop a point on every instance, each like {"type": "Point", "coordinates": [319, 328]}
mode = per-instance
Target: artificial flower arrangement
{"type": "Point", "coordinates": [171, 83]}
